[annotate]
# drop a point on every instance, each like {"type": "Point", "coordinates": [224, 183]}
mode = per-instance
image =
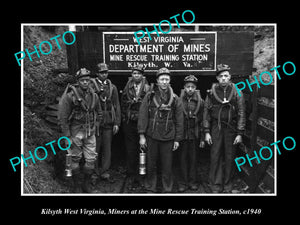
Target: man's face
{"type": "Point", "coordinates": [223, 78]}
{"type": "Point", "coordinates": [84, 82]}
{"type": "Point", "coordinates": [137, 76]}
{"type": "Point", "coordinates": [190, 88]}
{"type": "Point", "coordinates": [163, 81]}
{"type": "Point", "coordinates": [102, 75]}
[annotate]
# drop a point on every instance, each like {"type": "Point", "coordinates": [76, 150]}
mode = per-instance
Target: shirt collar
{"type": "Point", "coordinates": [102, 82]}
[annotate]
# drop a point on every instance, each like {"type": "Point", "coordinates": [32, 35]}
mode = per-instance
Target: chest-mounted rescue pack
{"type": "Point", "coordinates": [135, 98]}
{"type": "Point", "coordinates": [87, 108]}
{"type": "Point", "coordinates": [99, 90]}
{"type": "Point", "coordinates": [84, 105]}
{"type": "Point", "coordinates": [161, 107]}
{"type": "Point", "coordinates": [107, 106]}
{"type": "Point", "coordinates": [199, 100]}
{"type": "Point", "coordinates": [224, 103]}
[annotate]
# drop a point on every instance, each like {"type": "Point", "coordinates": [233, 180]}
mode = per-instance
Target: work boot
{"type": "Point", "coordinates": [77, 182]}
{"type": "Point", "coordinates": [87, 185]}
{"type": "Point", "coordinates": [105, 176]}
{"type": "Point", "coordinates": [228, 188]}
{"type": "Point", "coordinates": [193, 187]}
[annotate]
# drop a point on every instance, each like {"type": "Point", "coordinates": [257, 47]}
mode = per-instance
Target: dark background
{"type": "Point", "coordinates": [284, 205]}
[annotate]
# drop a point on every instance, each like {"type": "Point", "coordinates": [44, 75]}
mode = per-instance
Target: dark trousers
{"type": "Point", "coordinates": [187, 157]}
{"type": "Point", "coordinates": [222, 145]}
{"type": "Point", "coordinates": [131, 137]}
{"type": "Point", "coordinates": [103, 148]}
{"type": "Point", "coordinates": [159, 150]}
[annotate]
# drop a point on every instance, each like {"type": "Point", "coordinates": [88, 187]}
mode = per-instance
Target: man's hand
{"type": "Point", "coordinates": [66, 142]}
{"type": "Point", "coordinates": [115, 129]}
{"type": "Point", "coordinates": [142, 141]}
{"type": "Point", "coordinates": [208, 139]}
{"type": "Point", "coordinates": [175, 146]}
{"type": "Point", "coordinates": [238, 139]}
{"type": "Point", "coordinates": [202, 144]}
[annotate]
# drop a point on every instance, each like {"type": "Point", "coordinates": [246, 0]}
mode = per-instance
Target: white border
{"type": "Point", "coordinates": [275, 109]}
{"type": "Point", "coordinates": [146, 24]}
{"type": "Point", "coordinates": [173, 32]}
{"type": "Point", "coordinates": [22, 109]}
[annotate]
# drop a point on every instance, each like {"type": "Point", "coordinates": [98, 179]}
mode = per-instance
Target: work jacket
{"type": "Point", "coordinates": [193, 114]}
{"type": "Point", "coordinates": [131, 100]}
{"type": "Point", "coordinates": [78, 109]}
{"type": "Point", "coordinates": [224, 107]}
{"type": "Point", "coordinates": [109, 102]}
{"type": "Point", "coordinates": [160, 117]}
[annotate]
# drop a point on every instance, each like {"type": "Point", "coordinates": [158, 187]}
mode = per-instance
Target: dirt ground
{"type": "Point", "coordinates": [42, 85]}
{"type": "Point", "coordinates": [119, 183]}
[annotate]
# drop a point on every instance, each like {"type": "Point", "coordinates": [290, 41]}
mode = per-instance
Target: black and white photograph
{"type": "Point", "coordinates": [148, 109]}
{"type": "Point", "coordinates": [133, 112]}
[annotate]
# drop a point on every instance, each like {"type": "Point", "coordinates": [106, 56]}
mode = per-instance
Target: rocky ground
{"type": "Point", "coordinates": [42, 85]}
{"type": "Point", "coordinates": [119, 183]}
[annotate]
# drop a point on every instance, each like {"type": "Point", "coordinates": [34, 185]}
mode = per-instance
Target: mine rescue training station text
{"type": "Point", "coordinates": [178, 51]}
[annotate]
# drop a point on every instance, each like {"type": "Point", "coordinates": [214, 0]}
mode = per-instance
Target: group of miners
{"type": "Point", "coordinates": [157, 120]}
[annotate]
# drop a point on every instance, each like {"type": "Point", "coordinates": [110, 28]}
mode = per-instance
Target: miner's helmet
{"type": "Point", "coordinates": [163, 71]}
{"type": "Point", "coordinates": [221, 68]}
{"type": "Point", "coordinates": [102, 67]}
{"type": "Point", "coordinates": [138, 67]}
{"type": "Point", "coordinates": [83, 72]}
{"type": "Point", "coordinates": [190, 79]}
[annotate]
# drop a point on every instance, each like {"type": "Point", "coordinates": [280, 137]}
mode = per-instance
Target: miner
{"type": "Point", "coordinates": [193, 136]}
{"type": "Point", "coordinates": [78, 112]}
{"type": "Point", "coordinates": [224, 124]}
{"type": "Point", "coordinates": [160, 125]}
{"type": "Point", "coordinates": [111, 117]}
{"type": "Point", "coordinates": [132, 96]}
